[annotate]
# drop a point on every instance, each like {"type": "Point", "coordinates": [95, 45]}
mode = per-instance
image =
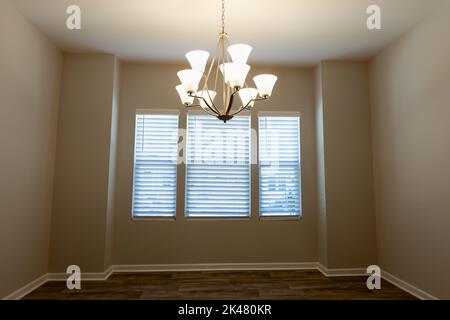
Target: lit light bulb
{"type": "Point", "coordinates": [190, 79]}
{"type": "Point", "coordinates": [247, 95]}
{"type": "Point", "coordinates": [185, 99]}
{"type": "Point", "coordinates": [239, 52]}
{"type": "Point", "coordinates": [198, 59]}
{"type": "Point", "coordinates": [265, 84]}
{"type": "Point", "coordinates": [235, 73]}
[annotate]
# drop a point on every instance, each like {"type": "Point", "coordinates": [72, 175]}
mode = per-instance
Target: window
{"type": "Point", "coordinates": [279, 166]}
{"type": "Point", "coordinates": [155, 165]}
{"type": "Point", "coordinates": [218, 167]}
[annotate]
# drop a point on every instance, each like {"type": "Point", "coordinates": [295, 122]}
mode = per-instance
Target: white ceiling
{"type": "Point", "coordinates": [280, 31]}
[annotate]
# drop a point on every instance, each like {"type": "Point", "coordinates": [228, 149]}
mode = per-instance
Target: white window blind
{"type": "Point", "coordinates": [155, 165]}
{"type": "Point", "coordinates": [279, 166]}
{"type": "Point", "coordinates": [218, 167]}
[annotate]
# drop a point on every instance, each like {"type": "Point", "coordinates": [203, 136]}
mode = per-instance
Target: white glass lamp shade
{"type": "Point", "coordinates": [190, 79]}
{"type": "Point", "coordinates": [185, 99]}
{"type": "Point", "coordinates": [239, 52]}
{"type": "Point", "coordinates": [265, 84]}
{"type": "Point", "coordinates": [208, 95]}
{"type": "Point", "coordinates": [248, 94]}
{"type": "Point", "coordinates": [198, 59]}
{"type": "Point", "coordinates": [235, 73]}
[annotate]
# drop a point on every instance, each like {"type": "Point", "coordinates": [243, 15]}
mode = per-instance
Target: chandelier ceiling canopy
{"type": "Point", "coordinates": [227, 72]}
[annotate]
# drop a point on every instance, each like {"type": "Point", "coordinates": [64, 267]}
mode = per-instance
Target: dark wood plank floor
{"type": "Point", "coordinates": [299, 284]}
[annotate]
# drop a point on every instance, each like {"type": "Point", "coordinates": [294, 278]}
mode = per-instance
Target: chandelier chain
{"type": "Point", "coordinates": [223, 16]}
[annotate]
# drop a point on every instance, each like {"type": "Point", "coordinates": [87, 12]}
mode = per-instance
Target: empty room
{"type": "Point", "coordinates": [224, 150]}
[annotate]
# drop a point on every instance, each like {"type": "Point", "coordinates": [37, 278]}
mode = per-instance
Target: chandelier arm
{"type": "Point", "coordinates": [205, 88]}
{"type": "Point", "coordinates": [217, 71]}
{"type": "Point", "coordinates": [222, 59]}
{"type": "Point", "coordinates": [247, 106]}
{"type": "Point", "coordinates": [212, 106]}
{"type": "Point", "coordinates": [207, 104]}
{"type": "Point", "coordinates": [225, 91]}
{"type": "Point", "coordinates": [239, 111]}
{"type": "Point", "coordinates": [230, 104]}
{"type": "Point", "coordinates": [227, 54]}
{"type": "Point", "coordinates": [205, 85]}
{"type": "Point", "coordinates": [208, 111]}
{"type": "Point", "coordinates": [205, 110]}
{"type": "Point", "coordinates": [258, 99]}
{"type": "Point", "coordinates": [205, 82]}
{"type": "Point", "coordinates": [209, 71]}
{"type": "Point", "coordinates": [217, 67]}
{"type": "Point", "coordinates": [206, 76]}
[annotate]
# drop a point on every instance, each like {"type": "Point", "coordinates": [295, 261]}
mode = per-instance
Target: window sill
{"type": "Point", "coordinates": [214, 218]}
{"type": "Point", "coordinates": [152, 218]}
{"type": "Point", "coordinates": [217, 218]}
{"type": "Point", "coordinates": [280, 218]}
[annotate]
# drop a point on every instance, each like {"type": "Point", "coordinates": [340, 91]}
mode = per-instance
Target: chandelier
{"type": "Point", "coordinates": [231, 61]}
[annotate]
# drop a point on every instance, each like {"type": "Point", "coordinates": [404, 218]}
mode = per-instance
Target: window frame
{"type": "Point", "coordinates": [151, 111]}
{"type": "Point", "coordinates": [300, 176]}
{"type": "Point", "coordinates": [218, 217]}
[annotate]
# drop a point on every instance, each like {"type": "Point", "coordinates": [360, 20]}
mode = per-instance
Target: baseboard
{"type": "Point", "coordinates": [341, 272]}
{"type": "Point", "coordinates": [26, 289]}
{"type": "Point", "coordinates": [344, 272]}
{"type": "Point", "coordinates": [85, 276]}
{"type": "Point", "coordinates": [215, 267]}
{"type": "Point", "coordinates": [418, 293]}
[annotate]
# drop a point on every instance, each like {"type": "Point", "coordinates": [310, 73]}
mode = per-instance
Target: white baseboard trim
{"type": "Point", "coordinates": [341, 272]}
{"type": "Point", "coordinates": [215, 267]}
{"type": "Point", "coordinates": [26, 289]}
{"type": "Point", "coordinates": [418, 293]}
{"type": "Point", "coordinates": [99, 276]}
{"type": "Point", "coordinates": [85, 276]}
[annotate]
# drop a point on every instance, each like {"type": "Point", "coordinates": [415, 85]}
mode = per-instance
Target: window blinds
{"type": "Point", "coordinates": [155, 165]}
{"type": "Point", "coordinates": [279, 166]}
{"type": "Point", "coordinates": [218, 167]}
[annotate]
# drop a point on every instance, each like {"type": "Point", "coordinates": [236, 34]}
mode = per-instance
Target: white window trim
{"type": "Point", "coordinates": [168, 111]}
{"type": "Point", "coordinates": [157, 111]}
{"type": "Point", "coordinates": [279, 114]}
{"type": "Point", "coordinates": [145, 111]}
{"type": "Point", "coordinates": [282, 114]}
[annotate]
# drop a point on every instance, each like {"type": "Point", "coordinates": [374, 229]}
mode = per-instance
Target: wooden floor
{"type": "Point", "coordinates": [221, 285]}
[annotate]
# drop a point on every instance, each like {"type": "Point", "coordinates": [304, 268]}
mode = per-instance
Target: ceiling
{"type": "Point", "coordinates": [300, 32]}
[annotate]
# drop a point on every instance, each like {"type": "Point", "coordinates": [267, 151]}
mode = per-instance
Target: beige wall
{"type": "Point", "coordinates": [81, 220]}
{"type": "Point", "coordinates": [346, 215]}
{"type": "Point", "coordinates": [183, 241]}
{"type": "Point", "coordinates": [91, 225]}
{"type": "Point", "coordinates": [29, 87]}
{"type": "Point", "coordinates": [410, 88]}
